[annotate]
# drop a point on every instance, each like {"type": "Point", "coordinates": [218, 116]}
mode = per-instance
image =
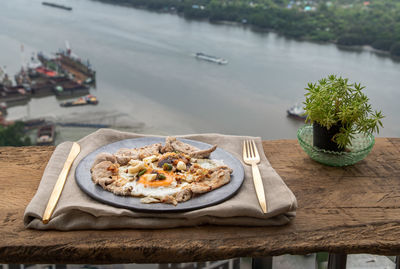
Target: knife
{"type": "Point", "coordinates": [55, 195]}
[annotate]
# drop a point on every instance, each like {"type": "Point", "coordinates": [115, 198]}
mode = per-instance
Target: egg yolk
{"type": "Point", "coordinates": [169, 178]}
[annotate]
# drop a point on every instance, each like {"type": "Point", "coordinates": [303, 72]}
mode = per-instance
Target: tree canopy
{"type": "Point", "coordinates": [346, 22]}
{"type": "Point", "coordinates": [13, 135]}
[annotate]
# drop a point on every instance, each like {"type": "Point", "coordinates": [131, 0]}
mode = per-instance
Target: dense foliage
{"type": "Point", "coordinates": [333, 101]}
{"type": "Point", "coordinates": [347, 22]}
{"type": "Point", "coordinates": [13, 135]}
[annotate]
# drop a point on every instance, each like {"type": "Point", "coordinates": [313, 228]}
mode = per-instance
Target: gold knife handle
{"type": "Point", "coordinates": [258, 184]}
{"type": "Point", "coordinates": [55, 195]}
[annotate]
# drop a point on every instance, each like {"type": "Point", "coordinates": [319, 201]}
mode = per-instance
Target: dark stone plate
{"type": "Point", "coordinates": [84, 181]}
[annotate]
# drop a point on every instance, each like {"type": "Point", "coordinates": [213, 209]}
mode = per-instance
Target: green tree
{"type": "Point", "coordinates": [382, 44]}
{"type": "Point", "coordinates": [13, 135]}
{"type": "Point", "coordinates": [395, 49]}
{"type": "Point", "coordinates": [351, 40]}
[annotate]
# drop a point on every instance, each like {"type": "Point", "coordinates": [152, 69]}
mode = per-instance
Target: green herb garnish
{"type": "Point", "coordinates": [141, 172]}
{"type": "Point", "coordinates": [167, 167]}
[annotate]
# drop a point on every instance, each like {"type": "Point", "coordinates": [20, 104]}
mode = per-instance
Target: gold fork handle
{"type": "Point", "coordinates": [258, 184]}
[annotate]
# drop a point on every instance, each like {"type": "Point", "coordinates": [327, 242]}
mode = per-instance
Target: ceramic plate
{"type": "Point", "coordinates": [83, 179]}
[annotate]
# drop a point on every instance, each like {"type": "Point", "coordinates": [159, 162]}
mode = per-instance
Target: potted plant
{"type": "Point", "coordinates": [338, 110]}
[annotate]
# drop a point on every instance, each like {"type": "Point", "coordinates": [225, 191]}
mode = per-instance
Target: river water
{"type": "Point", "coordinates": [148, 80]}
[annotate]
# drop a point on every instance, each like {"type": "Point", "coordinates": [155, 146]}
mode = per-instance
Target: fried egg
{"type": "Point", "coordinates": [140, 186]}
{"type": "Point", "coordinates": [156, 188]}
{"type": "Point", "coordinates": [158, 177]}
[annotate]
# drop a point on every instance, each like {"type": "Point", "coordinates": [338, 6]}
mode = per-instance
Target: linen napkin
{"type": "Point", "coordinates": [77, 211]}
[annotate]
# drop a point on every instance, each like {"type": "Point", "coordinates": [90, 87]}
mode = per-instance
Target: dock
{"type": "Point", "coordinates": [65, 74]}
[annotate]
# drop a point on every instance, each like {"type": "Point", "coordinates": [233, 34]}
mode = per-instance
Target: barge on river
{"type": "Point", "coordinates": [86, 100]}
{"type": "Point", "coordinates": [56, 5]}
{"type": "Point", "coordinates": [209, 58]}
{"type": "Point", "coordinates": [10, 94]}
{"type": "Point", "coordinates": [70, 87]}
{"type": "Point", "coordinates": [69, 64]}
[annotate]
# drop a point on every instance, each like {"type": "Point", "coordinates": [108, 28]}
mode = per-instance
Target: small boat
{"type": "Point", "coordinates": [87, 100]}
{"type": "Point", "coordinates": [56, 5]}
{"type": "Point", "coordinates": [297, 111]}
{"type": "Point", "coordinates": [45, 135]}
{"type": "Point", "coordinates": [202, 56]}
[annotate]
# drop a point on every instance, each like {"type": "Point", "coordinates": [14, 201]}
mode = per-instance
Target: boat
{"type": "Point", "coordinates": [42, 86]}
{"type": "Point", "coordinates": [56, 5]}
{"type": "Point", "coordinates": [22, 77]}
{"type": "Point", "coordinates": [202, 56]}
{"type": "Point", "coordinates": [46, 72]}
{"type": "Point", "coordinates": [13, 94]}
{"type": "Point", "coordinates": [81, 70]}
{"type": "Point", "coordinates": [45, 135]}
{"type": "Point", "coordinates": [86, 100]}
{"type": "Point", "coordinates": [297, 111]}
{"type": "Point", "coordinates": [69, 87]}
{"type": "Point", "coordinates": [66, 63]}
{"type": "Point", "coordinates": [6, 81]}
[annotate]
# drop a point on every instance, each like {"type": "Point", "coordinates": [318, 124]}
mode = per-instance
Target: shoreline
{"type": "Point", "coordinates": [256, 29]}
{"type": "Point", "coordinates": [366, 48]}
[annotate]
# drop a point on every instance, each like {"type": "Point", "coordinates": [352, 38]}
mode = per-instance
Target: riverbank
{"type": "Point", "coordinates": [320, 22]}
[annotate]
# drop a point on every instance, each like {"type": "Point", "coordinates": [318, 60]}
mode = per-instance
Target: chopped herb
{"type": "Point", "coordinates": [167, 167]}
{"type": "Point", "coordinates": [141, 172]}
{"type": "Point", "coordinates": [161, 176]}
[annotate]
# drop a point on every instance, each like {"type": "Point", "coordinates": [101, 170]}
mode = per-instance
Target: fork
{"type": "Point", "coordinates": [251, 157]}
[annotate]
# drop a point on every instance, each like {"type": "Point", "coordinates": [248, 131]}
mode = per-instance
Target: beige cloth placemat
{"type": "Point", "coordinates": [76, 210]}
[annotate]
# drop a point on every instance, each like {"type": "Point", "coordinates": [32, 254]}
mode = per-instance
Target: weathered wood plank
{"type": "Point", "coordinates": [342, 210]}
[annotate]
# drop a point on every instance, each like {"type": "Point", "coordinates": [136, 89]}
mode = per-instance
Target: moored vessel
{"type": "Point", "coordinates": [82, 71]}
{"type": "Point", "coordinates": [69, 87]}
{"type": "Point", "coordinates": [86, 100]}
{"type": "Point", "coordinates": [13, 94]}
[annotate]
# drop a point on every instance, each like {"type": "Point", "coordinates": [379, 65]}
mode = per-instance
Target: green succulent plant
{"type": "Point", "coordinates": [334, 101]}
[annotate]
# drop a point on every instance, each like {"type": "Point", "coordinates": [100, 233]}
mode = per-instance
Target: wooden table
{"type": "Point", "coordinates": [354, 209]}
